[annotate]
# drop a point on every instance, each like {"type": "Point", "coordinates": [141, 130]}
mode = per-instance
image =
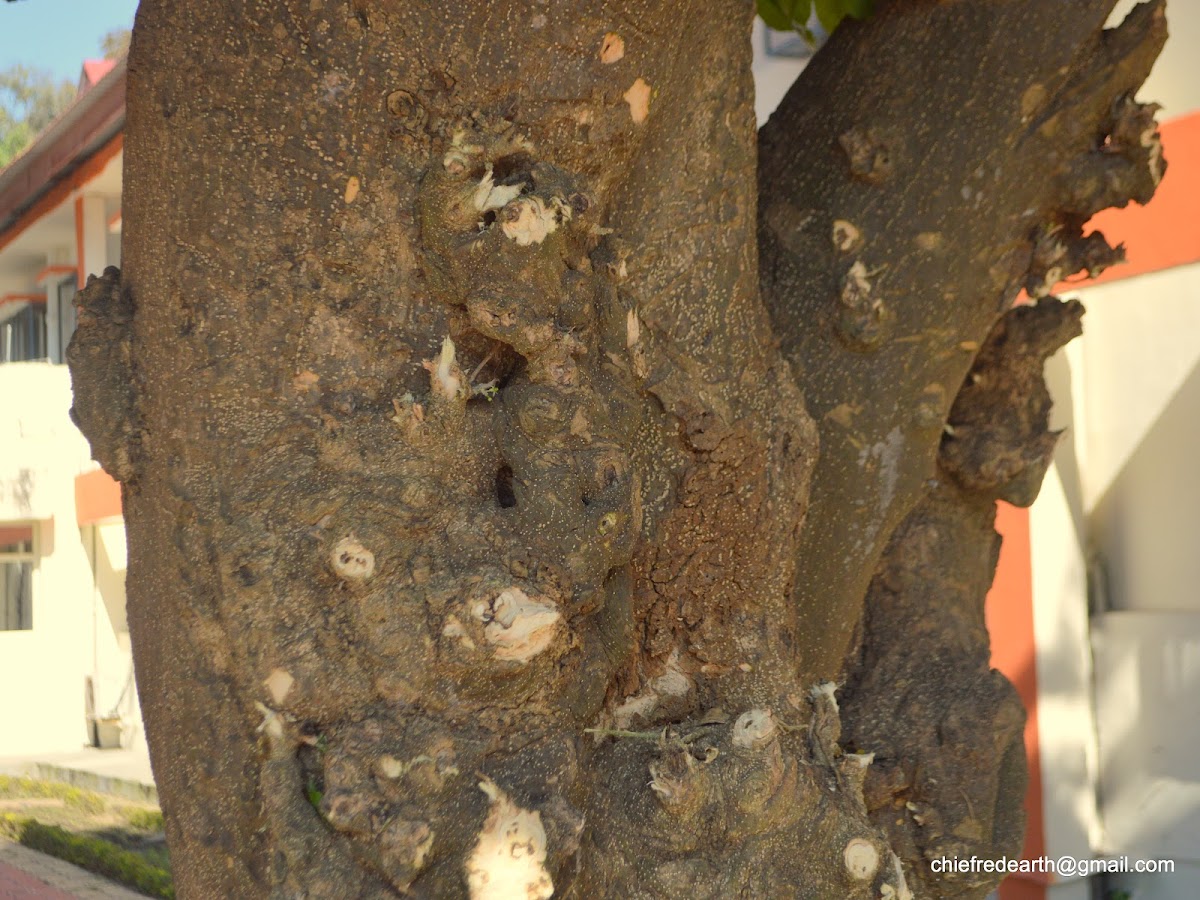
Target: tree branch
{"type": "Point", "coordinates": [947, 729]}
{"type": "Point", "coordinates": [901, 214]}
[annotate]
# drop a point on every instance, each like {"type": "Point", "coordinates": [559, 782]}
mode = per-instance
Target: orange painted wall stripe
{"type": "Point", "coordinates": [51, 271]}
{"type": "Point", "coordinates": [97, 497]}
{"type": "Point", "coordinates": [22, 298]}
{"type": "Point", "coordinates": [61, 191]}
{"type": "Point", "coordinates": [1009, 616]}
{"type": "Point", "coordinates": [1163, 233]}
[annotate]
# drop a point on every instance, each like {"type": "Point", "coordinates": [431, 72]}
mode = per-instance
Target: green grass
{"type": "Point", "coordinates": [110, 836]}
{"type": "Point", "coordinates": [148, 820]}
{"type": "Point", "coordinates": [76, 798]}
{"type": "Point", "coordinates": [94, 854]}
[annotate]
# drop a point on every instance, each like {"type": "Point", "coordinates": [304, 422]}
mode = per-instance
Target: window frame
{"type": "Point", "coordinates": [64, 309]}
{"type": "Point", "coordinates": [30, 318]}
{"type": "Point", "coordinates": [29, 556]}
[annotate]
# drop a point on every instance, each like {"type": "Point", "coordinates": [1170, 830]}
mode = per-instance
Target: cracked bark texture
{"type": "Point", "coordinates": [481, 540]}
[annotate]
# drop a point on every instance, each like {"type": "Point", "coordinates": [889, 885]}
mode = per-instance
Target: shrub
{"type": "Point", "coordinates": [94, 854]}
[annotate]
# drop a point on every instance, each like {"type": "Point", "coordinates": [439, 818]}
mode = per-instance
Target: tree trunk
{"type": "Point", "coordinates": [499, 525]}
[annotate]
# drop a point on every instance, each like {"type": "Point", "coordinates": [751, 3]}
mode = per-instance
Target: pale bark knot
{"type": "Point", "coordinates": [447, 381]}
{"type": "Point", "coordinates": [352, 561]}
{"type": "Point", "coordinates": [1032, 100]}
{"type": "Point", "coordinates": [826, 690]}
{"type": "Point", "coordinates": [861, 859]}
{"type": "Point", "coordinates": [845, 236]}
{"type": "Point", "coordinates": [633, 328]}
{"type": "Point", "coordinates": [638, 98]}
{"type": "Point", "coordinates": [612, 48]}
{"type": "Point", "coordinates": [754, 729]}
{"type": "Point", "coordinates": [530, 220]}
{"type": "Point", "coordinates": [508, 862]}
{"type": "Point", "coordinates": [278, 683]}
{"type": "Point", "coordinates": [518, 626]}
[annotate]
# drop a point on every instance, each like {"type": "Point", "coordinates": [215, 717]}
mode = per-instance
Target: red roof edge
{"type": "Point", "coordinates": [93, 71]}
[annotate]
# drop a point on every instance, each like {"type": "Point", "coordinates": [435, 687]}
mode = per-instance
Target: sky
{"type": "Point", "coordinates": [58, 35]}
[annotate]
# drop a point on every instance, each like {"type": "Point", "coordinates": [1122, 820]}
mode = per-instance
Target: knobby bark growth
{"type": "Point", "coordinates": [518, 452]}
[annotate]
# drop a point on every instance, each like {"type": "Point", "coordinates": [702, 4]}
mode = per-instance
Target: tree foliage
{"type": "Point", "coordinates": [29, 99]}
{"type": "Point", "coordinates": [115, 44]}
{"type": "Point", "coordinates": [797, 15]}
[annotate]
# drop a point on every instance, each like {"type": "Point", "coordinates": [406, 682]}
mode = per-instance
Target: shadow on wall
{"type": "Point", "coordinates": [1145, 523]}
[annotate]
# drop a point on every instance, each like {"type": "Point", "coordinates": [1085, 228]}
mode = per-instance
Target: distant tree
{"type": "Point", "coordinates": [115, 44]}
{"type": "Point", "coordinates": [13, 137]}
{"type": "Point", "coordinates": [29, 100]}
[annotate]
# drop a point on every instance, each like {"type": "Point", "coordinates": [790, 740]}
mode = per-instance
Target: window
{"type": "Point", "coordinates": [23, 335]}
{"type": "Point", "coordinates": [790, 45]}
{"type": "Point", "coordinates": [64, 302]}
{"type": "Point", "coordinates": [16, 577]}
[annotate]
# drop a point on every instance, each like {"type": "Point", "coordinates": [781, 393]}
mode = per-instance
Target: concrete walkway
{"type": "Point", "coordinates": [28, 875]}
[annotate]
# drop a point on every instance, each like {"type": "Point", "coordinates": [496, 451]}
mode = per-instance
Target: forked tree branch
{"type": "Point", "coordinates": [902, 210]}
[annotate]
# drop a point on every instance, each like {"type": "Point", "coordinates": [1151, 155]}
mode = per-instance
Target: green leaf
{"type": "Point", "coordinates": [859, 9]}
{"type": "Point", "coordinates": [775, 17]}
{"type": "Point", "coordinates": [803, 14]}
{"type": "Point", "coordinates": [830, 13]}
{"type": "Point", "coordinates": [315, 794]}
{"type": "Point", "coordinates": [787, 15]}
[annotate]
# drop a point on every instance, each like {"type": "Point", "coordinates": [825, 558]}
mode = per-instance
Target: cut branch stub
{"type": "Point", "coordinates": [998, 441]}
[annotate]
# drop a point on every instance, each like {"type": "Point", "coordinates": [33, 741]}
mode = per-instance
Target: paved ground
{"type": "Point", "coordinates": [124, 772]}
{"type": "Point", "coordinates": [28, 875]}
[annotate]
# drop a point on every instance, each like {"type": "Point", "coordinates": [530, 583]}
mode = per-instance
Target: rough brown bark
{"type": "Point", "coordinates": [397, 632]}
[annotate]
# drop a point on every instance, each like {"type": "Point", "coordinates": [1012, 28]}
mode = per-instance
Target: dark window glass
{"type": "Point", "coordinates": [16, 596]}
{"type": "Point", "coordinates": [66, 316]}
{"type": "Point", "coordinates": [23, 336]}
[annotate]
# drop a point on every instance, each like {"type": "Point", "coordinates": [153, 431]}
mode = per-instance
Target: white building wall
{"type": "Point", "coordinates": [773, 75]}
{"type": "Point", "coordinates": [42, 670]}
{"type": "Point", "coordinates": [112, 660]}
{"type": "Point", "coordinates": [1125, 500]}
{"type": "Point", "coordinates": [1173, 83]}
{"type": "Point", "coordinates": [1066, 726]}
{"type": "Point", "coordinates": [1148, 666]}
{"type": "Point", "coordinates": [1142, 497]}
{"type": "Point", "coordinates": [1142, 486]}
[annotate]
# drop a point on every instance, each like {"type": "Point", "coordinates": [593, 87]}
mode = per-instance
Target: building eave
{"type": "Point", "coordinates": [63, 146]}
